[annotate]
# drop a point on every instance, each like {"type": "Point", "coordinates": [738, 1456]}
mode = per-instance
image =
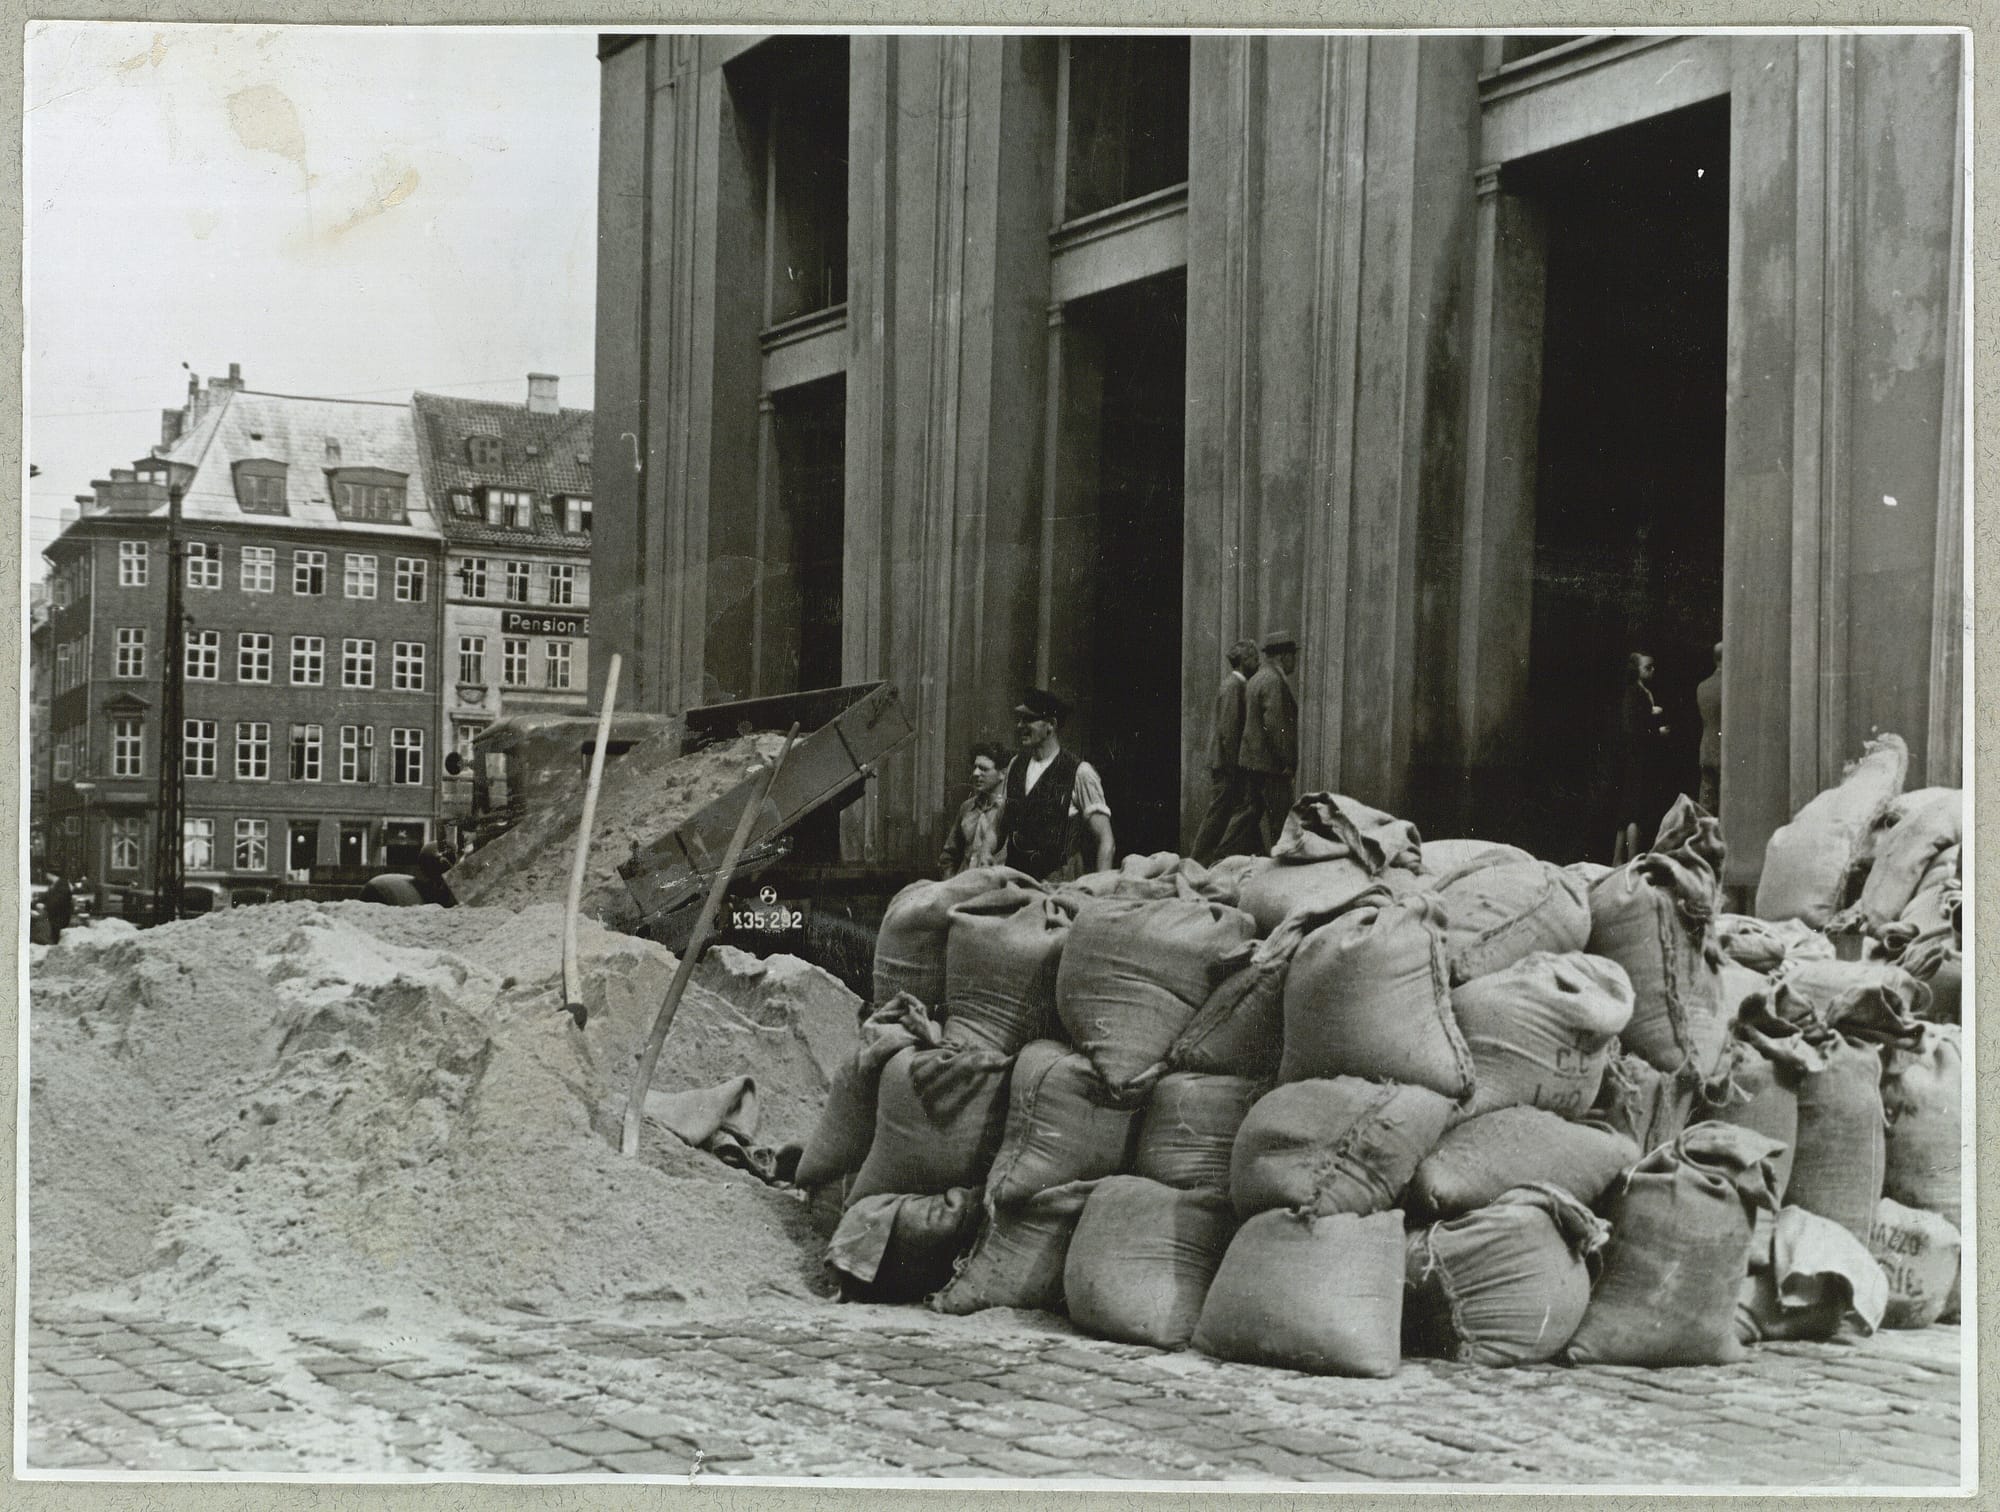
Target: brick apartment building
{"type": "Point", "coordinates": [313, 616]}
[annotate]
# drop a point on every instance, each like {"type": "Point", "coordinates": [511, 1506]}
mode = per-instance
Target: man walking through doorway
{"type": "Point", "coordinates": [1270, 750]}
{"type": "Point", "coordinates": [1054, 817]}
{"type": "Point", "coordinates": [1708, 699]}
{"type": "Point", "coordinates": [1230, 827]}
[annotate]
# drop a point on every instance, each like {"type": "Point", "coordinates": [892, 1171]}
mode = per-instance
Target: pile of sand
{"type": "Point", "coordinates": [647, 792]}
{"type": "Point", "coordinates": [342, 1110]}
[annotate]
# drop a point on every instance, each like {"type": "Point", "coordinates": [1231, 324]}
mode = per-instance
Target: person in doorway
{"type": "Point", "coordinates": [1642, 727]}
{"type": "Point", "coordinates": [975, 833]}
{"type": "Point", "coordinates": [1708, 699]}
{"type": "Point", "coordinates": [1270, 749]}
{"type": "Point", "coordinates": [1054, 820]}
{"type": "Point", "coordinates": [57, 905]}
{"type": "Point", "coordinates": [1230, 827]}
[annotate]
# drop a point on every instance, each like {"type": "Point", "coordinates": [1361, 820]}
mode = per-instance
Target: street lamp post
{"type": "Point", "coordinates": [168, 860]}
{"type": "Point", "coordinates": [88, 864]}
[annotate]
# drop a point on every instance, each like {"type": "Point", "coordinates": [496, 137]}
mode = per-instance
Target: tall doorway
{"type": "Point", "coordinates": [800, 626]}
{"type": "Point", "coordinates": [1629, 475]}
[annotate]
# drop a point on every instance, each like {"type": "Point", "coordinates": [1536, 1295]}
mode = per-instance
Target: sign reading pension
{"type": "Point", "coordinates": [524, 622]}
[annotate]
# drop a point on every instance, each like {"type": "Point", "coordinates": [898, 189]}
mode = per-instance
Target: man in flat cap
{"type": "Point", "coordinates": [1232, 824]}
{"type": "Point", "coordinates": [1270, 749]}
{"type": "Point", "coordinates": [1054, 812]}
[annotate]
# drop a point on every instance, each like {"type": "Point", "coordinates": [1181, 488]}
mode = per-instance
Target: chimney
{"type": "Point", "coordinates": [542, 394]}
{"type": "Point", "coordinates": [236, 375]}
{"type": "Point", "coordinates": [332, 451]}
{"type": "Point", "coordinates": [171, 422]}
{"type": "Point", "coordinates": [197, 404]}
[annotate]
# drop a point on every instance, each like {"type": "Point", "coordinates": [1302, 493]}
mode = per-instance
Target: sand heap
{"type": "Point", "coordinates": [331, 1110]}
{"type": "Point", "coordinates": [646, 792]}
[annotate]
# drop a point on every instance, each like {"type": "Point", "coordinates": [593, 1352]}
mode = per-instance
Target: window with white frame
{"type": "Point", "coordinates": [357, 664]}
{"type": "Point", "coordinates": [198, 747]}
{"type": "Point", "coordinates": [472, 658]}
{"type": "Point", "coordinates": [134, 564]}
{"type": "Point", "coordinates": [65, 659]}
{"type": "Point", "coordinates": [462, 736]}
{"type": "Point", "coordinates": [257, 572]}
{"type": "Point", "coordinates": [198, 844]}
{"type": "Point", "coordinates": [128, 844]}
{"type": "Point", "coordinates": [360, 576]}
{"type": "Point", "coordinates": [306, 745]}
{"type": "Point", "coordinates": [412, 579]}
{"type": "Point", "coordinates": [463, 505]}
{"type": "Point", "coordinates": [513, 662]}
{"type": "Point", "coordinates": [406, 758]}
{"type": "Point", "coordinates": [129, 654]}
{"type": "Point", "coordinates": [576, 515]}
{"type": "Point", "coordinates": [562, 584]}
{"type": "Point", "coordinates": [309, 572]}
{"type": "Point", "coordinates": [308, 661]}
{"type": "Point", "coordinates": [83, 750]}
{"type": "Point", "coordinates": [204, 656]}
{"type": "Point", "coordinates": [357, 753]}
{"type": "Point", "coordinates": [472, 577]}
{"type": "Point", "coordinates": [204, 564]}
{"type": "Point", "coordinates": [128, 747]}
{"type": "Point", "coordinates": [558, 663]}
{"type": "Point", "coordinates": [517, 582]}
{"type": "Point", "coordinates": [408, 667]}
{"type": "Point", "coordinates": [253, 844]}
{"type": "Point", "coordinates": [253, 657]}
{"type": "Point", "coordinates": [61, 760]}
{"type": "Point", "coordinates": [253, 751]}
{"type": "Point", "coordinates": [514, 507]}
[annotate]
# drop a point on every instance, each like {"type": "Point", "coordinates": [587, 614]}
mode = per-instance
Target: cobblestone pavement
{"type": "Point", "coordinates": [875, 1392]}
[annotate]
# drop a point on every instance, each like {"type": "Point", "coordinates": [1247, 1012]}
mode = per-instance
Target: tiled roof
{"type": "Point", "coordinates": [546, 454]}
{"type": "Point", "coordinates": [248, 426]}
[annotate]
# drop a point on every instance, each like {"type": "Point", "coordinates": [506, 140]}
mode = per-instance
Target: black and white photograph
{"type": "Point", "coordinates": [970, 757]}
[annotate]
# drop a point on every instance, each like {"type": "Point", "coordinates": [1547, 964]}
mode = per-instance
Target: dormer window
{"type": "Point", "coordinates": [576, 514]}
{"type": "Point", "coordinates": [463, 505]}
{"type": "Point", "coordinates": [370, 494]}
{"type": "Point", "coordinates": [260, 487]}
{"type": "Point", "coordinates": [512, 507]}
{"type": "Point", "coordinates": [483, 451]}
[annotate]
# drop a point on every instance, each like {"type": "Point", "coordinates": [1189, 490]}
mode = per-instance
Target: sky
{"type": "Point", "coordinates": [345, 211]}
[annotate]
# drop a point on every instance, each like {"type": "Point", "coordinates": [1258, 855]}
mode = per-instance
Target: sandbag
{"type": "Point", "coordinates": [910, 945]}
{"type": "Point", "coordinates": [1062, 1125]}
{"type": "Point", "coordinates": [1134, 973]}
{"type": "Point", "coordinates": [1589, 873]}
{"type": "Point", "coordinates": [1939, 964]}
{"type": "Point", "coordinates": [1141, 1260]}
{"type": "Point", "coordinates": [1737, 985]}
{"type": "Point", "coordinates": [1812, 990]}
{"type": "Point", "coordinates": [1921, 1112]}
{"type": "Point", "coordinates": [1920, 825]}
{"type": "Point", "coordinates": [1808, 1277]}
{"type": "Point", "coordinates": [1017, 1260]}
{"type": "Point", "coordinates": [1240, 1029]}
{"type": "Point", "coordinates": [1225, 881]}
{"type": "Point", "coordinates": [1329, 826]}
{"type": "Point", "coordinates": [939, 1115]}
{"type": "Point", "coordinates": [1325, 887]}
{"type": "Point", "coordinates": [1342, 1145]}
{"type": "Point", "coordinates": [1760, 1092]}
{"type": "Point", "coordinates": [1001, 953]}
{"type": "Point", "coordinates": [1498, 909]}
{"type": "Point", "coordinates": [846, 1127]}
{"type": "Point", "coordinates": [1367, 995]}
{"type": "Point", "coordinates": [1320, 1294]}
{"type": "Point", "coordinates": [1919, 1255]}
{"type": "Point", "coordinates": [1806, 862]}
{"type": "Point", "coordinates": [1541, 1030]}
{"type": "Point", "coordinates": [1481, 1158]}
{"type": "Point", "coordinates": [1440, 858]}
{"type": "Point", "coordinates": [1680, 1246]}
{"type": "Point", "coordinates": [1677, 1020]}
{"type": "Point", "coordinates": [1648, 1106]}
{"type": "Point", "coordinates": [1504, 1285]}
{"type": "Point", "coordinates": [1766, 944]}
{"type": "Point", "coordinates": [1190, 1127]}
{"type": "Point", "coordinates": [897, 1248]}
{"type": "Point", "coordinates": [1837, 1170]}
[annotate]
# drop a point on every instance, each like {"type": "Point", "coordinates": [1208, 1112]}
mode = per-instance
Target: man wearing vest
{"type": "Point", "coordinates": [1270, 750]}
{"type": "Point", "coordinates": [1054, 818]}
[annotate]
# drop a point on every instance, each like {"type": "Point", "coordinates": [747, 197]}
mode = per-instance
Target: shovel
{"type": "Point", "coordinates": [572, 981]}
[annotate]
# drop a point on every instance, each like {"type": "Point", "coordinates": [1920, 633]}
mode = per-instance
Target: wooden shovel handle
{"type": "Point", "coordinates": [572, 982]}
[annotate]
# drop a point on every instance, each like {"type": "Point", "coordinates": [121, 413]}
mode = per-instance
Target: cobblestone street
{"type": "Point", "coordinates": [871, 1392]}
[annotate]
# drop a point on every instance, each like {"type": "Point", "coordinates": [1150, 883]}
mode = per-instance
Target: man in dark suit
{"type": "Point", "coordinates": [1270, 750]}
{"type": "Point", "coordinates": [1230, 827]}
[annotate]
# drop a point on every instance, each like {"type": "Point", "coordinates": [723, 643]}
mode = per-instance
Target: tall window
{"type": "Point", "coordinates": [360, 576]}
{"type": "Point", "coordinates": [198, 844]}
{"type": "Point", "coordinates": [204, 564]}
{"type": "Point", "coordinates": [407, 671]}
{"type": "Point", "coordinates": [130, 655]}
{"type": "Point", "coordinates": [253, 751]}
{"type": "Point", "coordinates": [204, 656]}
{"type": "Point", "coordinates": [513, 663]}
{"type": "Point", "coordinates": [512, 507]}
{"type": "Point", "coordinates": [562, 584]}
{"type": "Point", "coordinates": [357, 753]}
{"type": "Point", "coordinates": [412, 578]}
{"type": "Point", "coordinates": [472, 658]}
{"type": "Point", "coordinates": [257, 571]}
{"type": "Point", "coordinates": [128, 844]}
{"type": "Point", "coordinates": [64, 672]}
{"type": "Point", "coordinates": [517, 582]}
{"type": "Point", "coordinates": [253, 657]}
{"type": "Point", "coordinates": [128, 748]}
{"type": "Point", "coordinates": [1127, 118]}
{"type": "Point", "coordinates": [253, 844]}
{"type": "Point", "coordinates": [308, 661]}
{"type": "Point", "coordinates": [371, 496]}
{"type": "Point", "coordinates": [558, 663]}
{"type": "Point", "coordinates": [198, 747]}
{"type": "Point", "coordinates": [305, 750]}
{"type": "Point", "coordinates": [309, 572]}
{"type": "Point", "coordinates": [463, 505]}
{"type": "Point", "coordinates": [794, 92]}
{"type": "Point", "coordinates": [357, 664]}
{"type": "Point", "coordinates": [83, 750]}
{"type": "Point", "coordinates": [132, 564]}
{"type": "Point", "coordinates": [60, 760]}
{"type": "Point", "coordinates": [576, 515]}
{"type": "Point", "coordinates": [260, 487]}
{"type": "Point", "coordinates": [472, 577]}
{"type": "Point", "coordinates": [406, 758]}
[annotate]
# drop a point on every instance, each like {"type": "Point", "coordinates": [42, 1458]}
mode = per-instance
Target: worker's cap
{"type": "Point", "coordinates": [1275, 641]}
{"type": "Point", "coordinates": [1039, 703]}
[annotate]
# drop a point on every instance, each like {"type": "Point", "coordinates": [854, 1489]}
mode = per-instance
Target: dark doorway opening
{"type": "Point", "coordinates": [302, 849]}
{"type": "Point", "coordinates": [1131, 728]}
{"type": "Point", "coordinates": [1629, 486]}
